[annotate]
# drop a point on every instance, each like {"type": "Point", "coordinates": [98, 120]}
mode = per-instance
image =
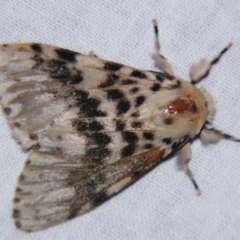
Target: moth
{"type": "Point", "coordinates": [92, 127]}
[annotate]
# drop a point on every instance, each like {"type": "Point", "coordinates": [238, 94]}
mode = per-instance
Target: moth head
{"type": "Point", "coordinates": [179, 112]}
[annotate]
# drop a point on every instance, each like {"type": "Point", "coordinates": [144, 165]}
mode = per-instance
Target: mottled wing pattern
{"type": "Point", "coordinates": [78, 115]}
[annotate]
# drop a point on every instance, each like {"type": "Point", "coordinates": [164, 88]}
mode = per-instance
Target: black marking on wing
{"type": "Point", "coordinates": [97, 154]}
{"type": "Point", "coordinates": [138, 74]}
{"type": "Point", "coordinates": [155, 87]}
{"type": "Point", "coordinates": [66, 55]}
{"type": "Point", "coordinates": [101, 198]}
{"type": "Point", "coordinates": [167, 140]}
{"type": "Point", "coordinates": [120, 125]}
{"type": "Point", "coordinates": [134, 90]}
{"type": "Point", "coordinates": [99, 138]}
{"type": "Point", "coordinates": [110, 81]}
{"type": "Point", "coordinates": [88, 105]}
{"type": "Point", "coordinates": [131, 138]}
{"type": "Point", "coordinates": [128, 82]}
{"type": "Point", "coordinates": [177, 85]}
{"type": "Point", "coordinates": [148, 146]}
{"type": "Point", "coordinates": [128, 150]}
{"type": "Point", "coordinates": [114, 94]}
{"type": "Point", "coordinates": [82, 125]}
{"type": "Point", "coordinates": [111, 66]}
{"type": "Point", "coordinates": [179, 144]}
{"type": "Point", "coordinates": [36, 47]}
{"type": "Point", "coordinates": [59, 70]}
{"type": "Point", "coordinates": [123, 106]}
{"type": "Point", "coordinates": [159, 78]}
{"type": "Point", "coordinates": [139, 101]}
{"type": "Point", "coordinates": [148, 135]}
{"type": "Point", "coordinates": [136, 124]}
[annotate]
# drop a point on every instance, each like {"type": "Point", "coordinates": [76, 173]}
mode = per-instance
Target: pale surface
{"type": "Point", "coordinates": [162, 205]}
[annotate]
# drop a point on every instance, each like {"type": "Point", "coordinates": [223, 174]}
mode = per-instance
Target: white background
{"type": "Point", "coordinates": [162, 205]}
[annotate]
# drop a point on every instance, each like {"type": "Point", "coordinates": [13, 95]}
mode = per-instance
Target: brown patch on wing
{"type": "Point", "coordinates": [154, 155]}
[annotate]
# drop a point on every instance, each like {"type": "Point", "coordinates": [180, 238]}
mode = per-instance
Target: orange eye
{"type": "Point", "coordinates": [181, 106]}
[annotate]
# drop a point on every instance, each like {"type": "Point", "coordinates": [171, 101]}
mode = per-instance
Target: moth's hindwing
{"type": "Point", "coordinates": [79, 117]}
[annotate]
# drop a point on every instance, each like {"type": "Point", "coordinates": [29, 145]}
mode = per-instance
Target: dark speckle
{"type": "Point", "coordinates": [39, 62]}
{"type": "Point", "coordinates": [72, 215]}
{"type": "Point", "coordinates": [110, 81]}
{"type": "Point", "coordinates": [148, 146]}
{"type": "Point", "coordinates": [17, 125]}
{"type": "Point", "coordinates": [139, 101]}
{"type": "Point", "coordinates": [33, 136]}
{"type": "Point", "coordinates": [16, 213]}
{"type": "Point", "coordinates": [16, 200]}
{"type": "Point", "coordinates": [155, 87]}
{"type": "Point", "coordinates": [7, 110]}
{"type": "Point", "coordinates": [167, 140]}
{"type": "Point", "coordinates": [120, 125]}
{"type": "Point", "coordinates": [97, 154]}
{"type": "Point", "coordinates": [22, 177]}
{"type": "Point", "coordinates": [102, 197]}
{"type": "Point", "coordinates": [159, 78]}
{"type": "Point", "coordinates": [95, 126]}
{"type": "Point", "coordinates": [18, 224]}
{"type": "Point", "coordinates": [168, 121]}
{"type": "Point", "coordinates": [66, 55]}
{"type": "Point", "coordinates": [18, 189]}
{"type": "Point", "coordinates": [58, 70]}
{"type": "Point", "coordinates": [36, 47]}
{"type": "Point", "coordinates": [193, 108]}
{"type": "Point", "coordinates": [28, 162]}
{"type": "Point", "coordinates": [111, 66]}
{"type": "Point", "coordinates": [136, 124]}
{"type": "Point", "coordinates": [76, 77]}
{"type": "Point", "coordinates": [148, 135]}
{"type": "Point", "coordinates": [138, 174]}
{"type": "Point", "coordinates": [135, 114]}
{"type": "Point", "coordinates": [114, 94]}
{"type": "Point", "coordinates": [80, 125]}
{"type": "Point", "coordinates": [59, 138]}
{"type": "Point", "coordinates": [129, 137]}
{"type": "Point", "coordinates": [177, 85]}
{"type": "Point", "coordinates": [178, 145]}
{"type": "Point", "coordinates": [80, 95]}
{"type": "Point", "coordinates": [134, 90]}
{"type": "Point", "coordinates": [100, 138]}
{"type": "Point", "coordinates": [123, 106]}
{"type": "Point", "coordinates": [88, 105]}
{"type": "Point", "coordinates": [128, 150]}
{"type": "Point", "coordinates": [128, 82]}
{"type": "Point", "coordinates": [138, 74]}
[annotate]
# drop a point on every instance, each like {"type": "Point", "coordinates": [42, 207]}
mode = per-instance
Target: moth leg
{"type": "Point", "coordinates": [159, 60]}
{"type": "Point", "coordinates": [201, 70]}
{"type": "Point", "coordinates": [211, 135]}
{"type": "Point", "coordinates": [183, 159]}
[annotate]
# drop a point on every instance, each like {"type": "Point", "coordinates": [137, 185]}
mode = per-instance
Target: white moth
{"type": "Point", "coordinates": [92, 127]}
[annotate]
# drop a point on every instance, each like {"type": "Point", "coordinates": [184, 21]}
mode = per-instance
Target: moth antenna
{"type": "Point", "coordinates": [211, 135]}
{"type": "Point", "coordinates": [201, 70]}
{"type": "Point", "coordinates": [159, 60]}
